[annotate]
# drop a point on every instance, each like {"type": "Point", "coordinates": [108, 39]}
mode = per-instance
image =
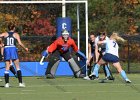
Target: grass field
{"type": "Point", "coordinates": [68, 88]}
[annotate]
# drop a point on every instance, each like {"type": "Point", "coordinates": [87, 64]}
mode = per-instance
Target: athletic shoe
{"type": "Point", "coordinates": [0, 80]}
{"type": "Point", "coordinates": [50, 76]}
{"type": "Point", "coordinates": [127, 81]}
{"type": "Point", "coordinates": [81, 75]}
{"type": "Point", "coordinates": [109, 78]}
{"type": "Point", "coordinates": [93, 77]}
{"type": "Point", "coordinates": [86, 78]}
{"type": "Point", "coordinates": [7, 85]}
{"type": "Point", "coordinates": [21, 85]}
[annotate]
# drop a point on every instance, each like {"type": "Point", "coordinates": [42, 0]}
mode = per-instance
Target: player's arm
{"type": "Point", "coordinates": [1, 55]}
{"type": "Point", "coordinates": [2, 35]}
{"type": "Point", "coordinates": [96, 53]}
{"type": "Point", "coordinates": [101, 42]}
{"type": "Point", "coordinates": [48, 51]}
{"type": "Point", "coordinates": [96, 50]}
{"type": "Point", "coordinates": [1, 47]}
{"type": "Point", "coordinates": [19, 41]}
{"type": "Point", "coordinates": [78, 52]}
{"type": "Point", "coordinates": [52, 47]}
{"type": "Point", "coordinates": [89, 53]}
{"type": "Point", "coordinates": [74, 46]}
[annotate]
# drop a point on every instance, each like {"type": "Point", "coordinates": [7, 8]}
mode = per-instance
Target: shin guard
{"type": "Point", "coordinates": [52, 66]}
{"type": "Point", "coordinates": [75, 68]}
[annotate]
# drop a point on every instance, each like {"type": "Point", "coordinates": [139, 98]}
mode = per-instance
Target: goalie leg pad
{"type": "Point", "coordinates": [52, 66]}
{"type": "Point", "coordinates": [75, 68]}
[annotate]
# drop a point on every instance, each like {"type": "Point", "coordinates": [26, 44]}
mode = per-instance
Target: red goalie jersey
{"type": "Point", "coordinates": [62, 46]}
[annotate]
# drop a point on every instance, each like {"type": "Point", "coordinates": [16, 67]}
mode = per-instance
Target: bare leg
{"type": "Point", "coordinates": [122, 72]}
{"type": "Point", "coordinates": [19, 74]}
{"type": "Point", "coordinates": [6, 74]}
{"type": "Point", "coordinates": [117, 66]}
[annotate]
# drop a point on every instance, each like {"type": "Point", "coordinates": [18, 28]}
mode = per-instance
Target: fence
{"type": "Point", "coordinates": [129, 53]}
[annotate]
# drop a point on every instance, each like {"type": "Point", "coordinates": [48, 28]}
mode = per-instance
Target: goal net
{"type": "Point", "coordinates": [36, 23]}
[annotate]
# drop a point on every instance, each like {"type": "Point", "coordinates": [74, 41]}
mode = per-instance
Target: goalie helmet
{"type": "Point", "coordinates": [65, 34]}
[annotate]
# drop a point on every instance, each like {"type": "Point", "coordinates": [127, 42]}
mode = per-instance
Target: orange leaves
{"type": "Point", "coordinates": [131, 1]}
{"type": "Point", "coordinates": [133, 29]}
{"type": "Point", "coordinates": [40, 26]}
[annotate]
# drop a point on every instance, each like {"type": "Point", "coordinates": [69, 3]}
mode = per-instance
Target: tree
{"type": "Point", "coordinates": [114, 15]}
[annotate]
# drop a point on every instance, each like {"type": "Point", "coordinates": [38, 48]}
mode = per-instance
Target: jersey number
{"type": "Point", "coordinates": [10, 41]}
{"type": "Point", "coordinates": [114, 44]}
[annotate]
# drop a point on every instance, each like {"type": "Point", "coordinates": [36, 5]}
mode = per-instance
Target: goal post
{"type": "Point", "coordinates": [85, 2]}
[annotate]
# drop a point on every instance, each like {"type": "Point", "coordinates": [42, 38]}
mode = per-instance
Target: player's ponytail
{"type": "Point", "coordinates": [11, 26]}
{"type": "Point", "coordinates": [117, 37]}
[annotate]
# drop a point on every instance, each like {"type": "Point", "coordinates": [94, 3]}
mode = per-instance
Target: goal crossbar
{"type": "Point", "coordinates": [62, 2]}
{"type": "Point", "coordinates": [52, 1]}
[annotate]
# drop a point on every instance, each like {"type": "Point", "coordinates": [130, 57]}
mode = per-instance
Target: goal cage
{"type": "Point", "coordinates": [36, 22]}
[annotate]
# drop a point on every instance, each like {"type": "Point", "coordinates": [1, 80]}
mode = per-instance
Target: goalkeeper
{"type": "Point", "coordinates": [60, 47]}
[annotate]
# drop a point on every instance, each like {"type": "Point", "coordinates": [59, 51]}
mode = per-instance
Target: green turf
{"type": "Point", "coordinates": [67, 88]}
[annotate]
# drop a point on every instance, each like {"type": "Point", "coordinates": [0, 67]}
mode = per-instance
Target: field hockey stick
{"type": "Point", "coordinates": [41, 61]}
{"type": "Point", "coordinates": [110, 73]}
{"type": "Point", "coordinates": [79, 70]}
{"type": "Point", "coordinates": [43, 57]}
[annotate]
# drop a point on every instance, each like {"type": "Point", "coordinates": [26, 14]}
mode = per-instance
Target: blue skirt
{"type": "Point", "coordinates": [10, 53]}
{"type": "Point", "coordinates": [110, 58]}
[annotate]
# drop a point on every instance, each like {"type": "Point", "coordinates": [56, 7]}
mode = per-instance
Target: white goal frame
{"type": "Point", "coordinates": [62, 2]}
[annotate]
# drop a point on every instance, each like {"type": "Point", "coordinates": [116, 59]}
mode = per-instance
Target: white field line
{"type": "Point", "coordinates": [27, 90]}
{"type": "Point", "coordinates": [32, 92]}
{"type": "Point", "coordinates": [15, 93]}
{"type": "Point", "coordinates": [83, 85]}
{"type": "Point", "coordinates": [69, 92]}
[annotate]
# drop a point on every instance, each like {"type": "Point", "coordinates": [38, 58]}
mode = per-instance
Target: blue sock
{"type": "Point", "coordinates": [6, 75]}
{"type": "Point", "coordinates": [123, 74]}
{"type": "Point", "coordinates": [107, 70]}
{"type": "Point", "coordinates": [95, 71]}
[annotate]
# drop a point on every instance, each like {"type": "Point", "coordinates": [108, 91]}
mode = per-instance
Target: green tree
{"type": "Point", "coordinates": [112, 15]}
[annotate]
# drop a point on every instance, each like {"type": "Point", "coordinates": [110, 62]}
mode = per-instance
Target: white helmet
{"type": "Point", "coordinates": [65, 34]}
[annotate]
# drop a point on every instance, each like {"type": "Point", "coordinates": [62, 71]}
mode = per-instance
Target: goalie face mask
{"type": "Point", "coordinates": [65, 35]}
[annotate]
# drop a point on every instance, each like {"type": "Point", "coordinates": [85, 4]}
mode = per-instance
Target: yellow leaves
{"type": "Point", "coordinates": [6, 18]}
{"type": "Point", "coordinates": [131, 1]}
{"type": "Point", "coordinates": [133, 29]}
{"type": "Point", "coordinates": [1, 16]}
{"type": "Point", "coordinates": [9, 17]}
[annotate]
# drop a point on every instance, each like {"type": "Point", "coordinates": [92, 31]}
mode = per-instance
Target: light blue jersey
{"type": "Point", "coordinates": [112, 47]}
{"type": "Point", "coordinates": [111, 53]}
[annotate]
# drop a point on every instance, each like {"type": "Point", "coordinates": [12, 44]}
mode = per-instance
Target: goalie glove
{"type": "Point", "coordinates": [44, 53]}
{"type": "Point", "coordinates": [81, 55]}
